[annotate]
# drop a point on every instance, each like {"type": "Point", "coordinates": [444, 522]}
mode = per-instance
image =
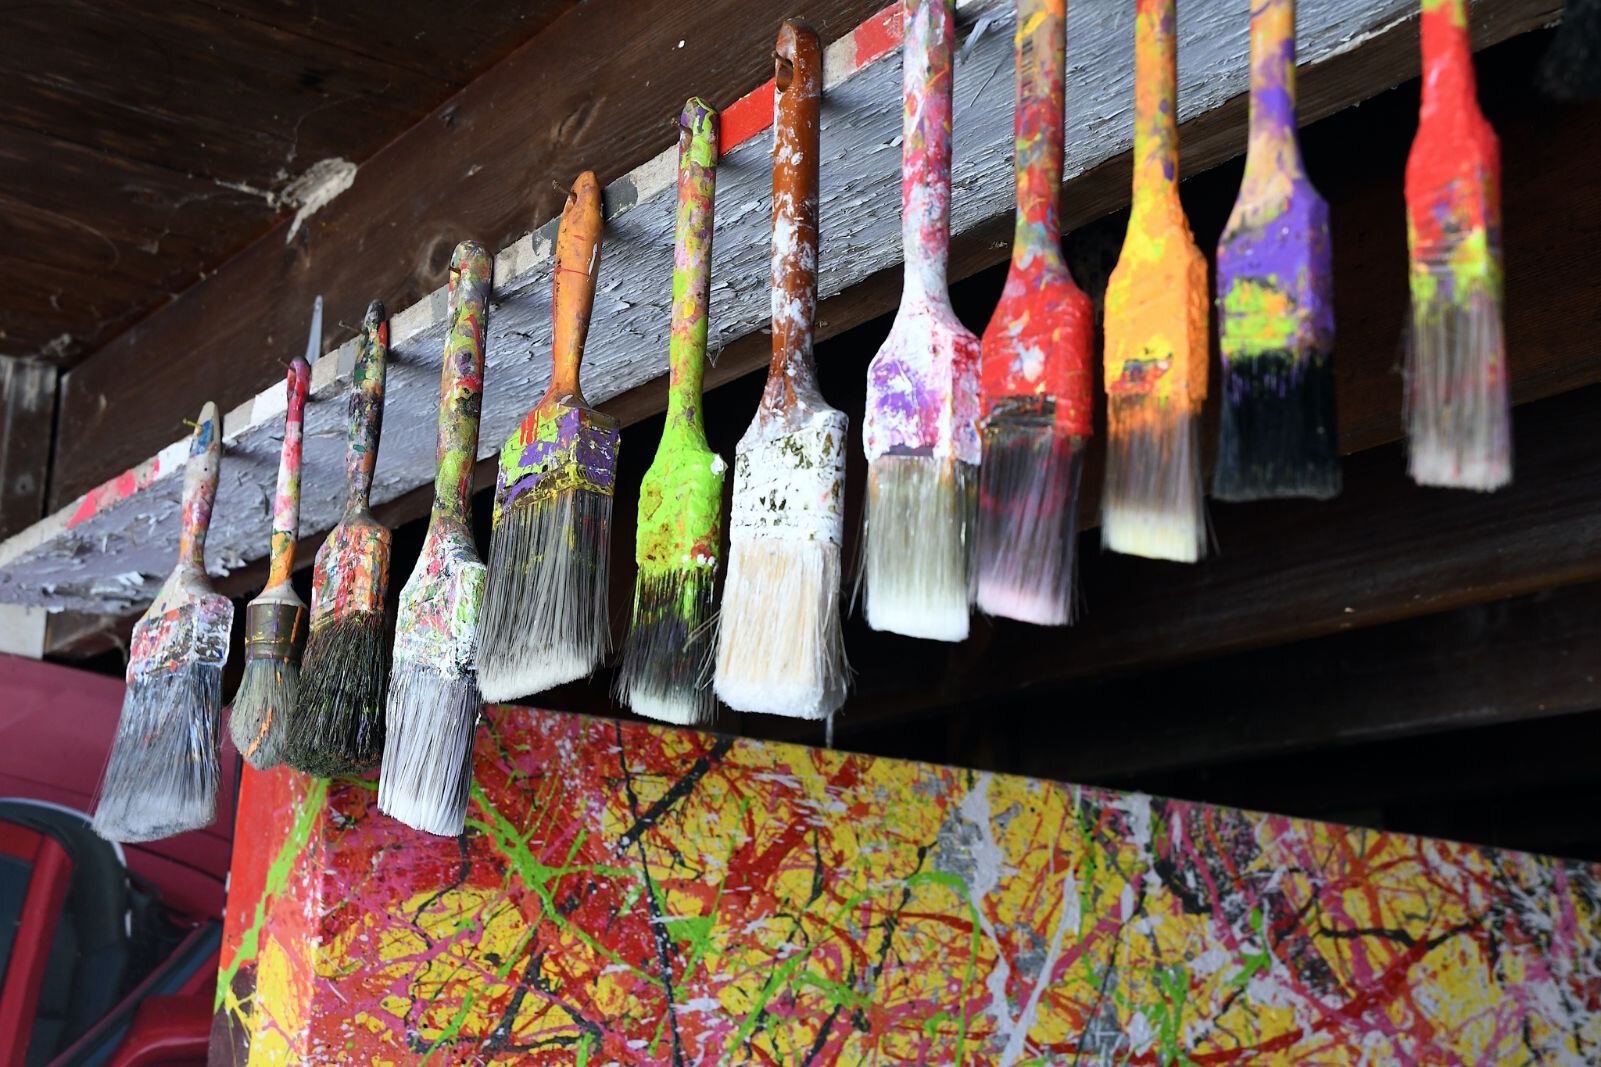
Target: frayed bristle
{"type": "Point", "coordinates": [917, 540]}
{"type": "Point", "coordinates": [1459, 420]}
{"type": "Point", "coordinates": [428, 745]}
{"type": "Point", "coordinates": [780, 647]}
{"type": "Point", "coordinates": [338, 724]}
{"type": "Point", "coordinates": [1152, 504]}
{"type": "Point", "coordinates": [267, 696]}
{"type": "Point", "coordinates": [1276, 434]}
{"type": "Point", "coordinates": [161, 778]}
{"type": "Point", "coordinates": [544, 620]}
{"type": "Point", "coordinates": [667, 655]}
{"type": "Point", "coordinates": [1027, 551]}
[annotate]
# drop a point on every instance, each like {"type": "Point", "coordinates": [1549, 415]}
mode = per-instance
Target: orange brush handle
{"type": "Point", "coordinates": [573, 287]}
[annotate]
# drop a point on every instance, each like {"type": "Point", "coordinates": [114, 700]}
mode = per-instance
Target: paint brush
{"type": "Point", "coordinates": [1156, 328]}
{"type": "Point", "coordinates": [676, 545]}
{"type": "Point", "coordinates": [920, 432]}
{"type": "Point", "coordinates": [1275, 298]}
{"type": "Point", "coordinates": [545, 616]}
{"type": "Point", "coordinates": [1459, 420]}
{"type": "Point", "coordinates": [433, 687]}
{"type": "Point", "coordinates": [338, 726]}
{"type": "Point", "coordinates": [161, 778]}
{"type": "Point", "coordinates": [275, 622]}
{"type": "Point", "coordinates": [1037, 359]}
{"type": "Point", "coordinates": [780, 649]}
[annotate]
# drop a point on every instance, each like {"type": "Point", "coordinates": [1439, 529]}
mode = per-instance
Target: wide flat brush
{"type": "Point", "coordinates": [1037, 361]}
{"type": "Point", "coordinates": [545, 620]}
{"type": "Point", "coordinates": [1275, 298]}
{"type": "Point", "coordinates": [920, 432]}
{"type": "Point", "coordinates": [1459, 418]}
{"type": "Point", "coordinates": [275, 622]}
{"type": "Point", "coordinates": [676, 545]}
{"type": "Point", "coordinates": [338, 726]}
{"type": "Point", "coordinates": [1156, 328]}
{"type": "Point", "coordinates": [433, 686]}
{"type": "Point", "coordinates": [161, 778]}
{"type": "Point", "coordinates": [780, 648]}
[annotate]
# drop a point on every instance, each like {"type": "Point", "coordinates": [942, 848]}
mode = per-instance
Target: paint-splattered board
{"type": "Point", "coordinates": [640, 895]}
{"type": "Point", "coordinates": [106, 551]}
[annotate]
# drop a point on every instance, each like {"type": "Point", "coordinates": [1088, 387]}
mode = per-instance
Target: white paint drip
{"type": "Point", "coordinates": [316, 189]}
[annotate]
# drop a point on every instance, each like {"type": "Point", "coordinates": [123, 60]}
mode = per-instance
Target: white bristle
{"type": "Point", "coordinates": [1459, 420]}
{"type": "Point", "coordinates": [1152, 502]}
{"type": "Point", "coordinates": [428, 743]}
{"type": "Point", "coordinates": [161, 777]}
{"type": "Point", "coordinates": [917, 547]}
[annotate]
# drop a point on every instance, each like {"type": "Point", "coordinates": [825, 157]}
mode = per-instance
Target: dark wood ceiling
{"type": "Point", "coordinates": [143, 144]}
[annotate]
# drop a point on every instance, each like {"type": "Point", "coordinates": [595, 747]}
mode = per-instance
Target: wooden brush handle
{"type": "Point", "coordinates": [798, 63]}
{"type": "Point", "coordinates": [573, 285]}
{"type": "Point", "coordinates": [286, 501]}
{"type": "Point", "coordinates": [1272, 143]}
{"type": "Point", "coordinates": [461, 380]}
{"type": "Point", "coordinates": [930, 28]}
{"type": "Point", "coordinates": [692, 264]}
{"type": "Point", "coordinates": [1156, 133]}
{"type": "Point", "coordinates": [1041, 41]}
{"type": "Point", "coordinates": [365, 415]}
{"type": "Point", "coordinates": [200, 488]}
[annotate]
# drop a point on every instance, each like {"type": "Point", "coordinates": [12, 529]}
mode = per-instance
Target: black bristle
{"type": "Point", "coordinates": [161, 778]}
{"type": "Point", "coordinates": [256, 721]}
{"type": "Point", "coordinates": [1571, 69]}
{"type": "Point", "coordinates": [666, 669]}
{"type": "Point", "coordinates": [338, 726]}
{"type": "Point", "coordinates": [1276, 437]}
{"type": "Point", "coordinates": [1027, 531]}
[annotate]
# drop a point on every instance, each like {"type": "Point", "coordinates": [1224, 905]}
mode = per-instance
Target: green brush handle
{"type": "Point", "coordinates": [200, 488]}
{"type": "Point", "coordinates": [365, 415]}
{"type": "Point", "coordinates": [573, 286]}
{"type": "Point", "coordinates": [692, 267]}
{"type": "Point", "coordinates": [461, 383]}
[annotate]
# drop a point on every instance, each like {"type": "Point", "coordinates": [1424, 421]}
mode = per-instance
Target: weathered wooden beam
{"type": "Point", "coordinates": [27, 421]}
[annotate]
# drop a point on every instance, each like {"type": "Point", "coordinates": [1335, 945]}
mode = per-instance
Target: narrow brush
{"type": "Point", "coordinates": [545, 619]}
{"type": "Point", "coordinates": [668, 649]}
{"type": "Point", "coordinates": [1275, 298]}
{"type": "Point", "coordinates": [338, 726]}
{"type": "Point", "coordinates": [1156, 328]}
{"type": "Point", "coordinates": [921, 427]}
{"type": "Point", "coordinates": [161, 778]}
{"type": "Point", "coordinates": [1037, 359]}
{"type": "Point", "coordinates": [780, 649]}
{"type": "Point", "coordinates": [1459, 420]}
{"type": "Point", "coordinates": [1571, 68]}
{"type": "Point", "coordinates": [433, 688]}
{"type": "Point", "coordinates": [275, 621]}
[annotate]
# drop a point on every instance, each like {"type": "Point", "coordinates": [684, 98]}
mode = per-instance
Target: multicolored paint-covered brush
{"type": "Point", "coordinates": [275, 621]}
{"type": "Point", "coordinates": [338, 726]}
{"type": "Point", "coordinates": [1459, 418]}
{"type": "Point", "coordinates": [920, 432]}
{"type": "Point", "coordinates": [545, 619]}
{"type": "Point", "coordinates": [1037, 361]}
{"type": "Point", "coordinates": [1275, 298]}
{"type": "Point", "coordinates": [1156, 328]}
{"type": "Point", "coordinates": [433, 688]}
{"type": "Point", "coordinates": [162, 776]}
{"type": "Point", "coordinates": [668, 649]}
{"type": "Point", "coordinates": [780, 648]}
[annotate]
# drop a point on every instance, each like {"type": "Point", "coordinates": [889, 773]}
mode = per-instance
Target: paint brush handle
{"type": "Point", "coordinates": [798, 75]}
{"type": "Point", "coordinates": [1449, 95]}
{"type": "Point", "coordinates": [1156, 132]}
{"type": "Point", "coordinates": [1272, 148]}
{"type": "Point", "coordinates": [461, 381]}
{"type": "Point", "coordinates": [365, 414]}
{"type": "Point", "coordinates": [573, 285]}
{"type": "Point", "coordinates": [930, 28]}
{"type": "Point", "coordinates": [1041, 42]}
{"type": "Point", "coordinates": [286, 501]}
{"type": "Point", "coordinates": [692, 264]}
{"type": "Point", "coordinates": [200, 488]}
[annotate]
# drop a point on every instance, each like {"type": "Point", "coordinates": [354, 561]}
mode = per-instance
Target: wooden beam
{"type": "Point", "coordinates": [859, 213]}
{"type": "Point", "coordinates": [27, 421]}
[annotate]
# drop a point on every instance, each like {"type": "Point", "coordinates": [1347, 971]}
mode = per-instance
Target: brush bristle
{"type": "Point", "coordinates": [428, 746]}
{"type": "Point", "coordinates": [1152, 504]}
{"type": "Point", "coordinates": [1276, 434]}
{"type": "Point", "coordinates": [1459, 420]}
{"type": "Point", "coordinates": [1027, 551]}
{"type": "Point", "coordinates": [667, 655]}
{"type": "Point", "coordinates": [917, 546]}
{"type": "Point", "coordinates": [267, 696]}
{"type": "Point", "coordinates": [544, 620]}
{"type": "Point", "coordinates": [161, 778]}
{"type": "Point", "coordinates": [780, 647]}
{"type": "Point", "coordinates": [338, 724]}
